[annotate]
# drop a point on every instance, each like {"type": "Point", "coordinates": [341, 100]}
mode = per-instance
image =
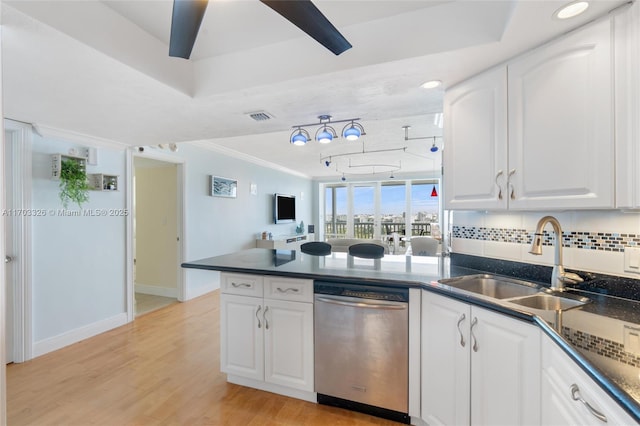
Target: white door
{"type": "Point", "coordinates": [9, 249]}
{"type": "Point", "coordinates": [241, 336]}
{"type": "Point", "coordinates": [475, 135]}
{"type": "Point", "coordinates": [505, 370]}
{"type": "Point", "coordinates": [561, 140]}
{"type": "Point", "coordinates": [288, 343]}
{"type": "Point", "coordinates": [445, 360]}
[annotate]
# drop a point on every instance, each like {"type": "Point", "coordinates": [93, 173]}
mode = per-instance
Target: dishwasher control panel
{"type": "Point", "coordinates": [362, 291]}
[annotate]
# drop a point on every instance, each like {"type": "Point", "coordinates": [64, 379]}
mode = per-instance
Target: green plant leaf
{"type": "Point", "coordinates": [73, 183]}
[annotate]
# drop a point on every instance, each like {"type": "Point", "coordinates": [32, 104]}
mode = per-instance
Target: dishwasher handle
{"type": "Point", "coordinates": [364, 304]}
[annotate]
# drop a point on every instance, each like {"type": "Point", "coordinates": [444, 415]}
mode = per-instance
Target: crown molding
{"type": "Point", "coordinates": [80, 138]}
{"type": "Point", "coordinates": [210, 146]}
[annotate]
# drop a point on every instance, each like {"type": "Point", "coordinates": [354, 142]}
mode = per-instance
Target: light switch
{"type": "Point", "coordinates": [632, 259]}
{"type": "Point", "coordinates": [632, 339]}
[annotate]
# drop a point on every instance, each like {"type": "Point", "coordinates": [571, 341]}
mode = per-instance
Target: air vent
{"type": "Point", "coordinates": [260, 115]}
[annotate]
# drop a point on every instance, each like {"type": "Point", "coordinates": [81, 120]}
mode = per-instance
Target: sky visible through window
{"type": "Point", "coordinates": [393, 199]}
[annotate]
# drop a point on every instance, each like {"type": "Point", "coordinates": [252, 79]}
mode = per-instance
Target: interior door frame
{"type": "Point", "coordinates": [181, 186]}
{"type": "Point", "coordinates": [21, 161]}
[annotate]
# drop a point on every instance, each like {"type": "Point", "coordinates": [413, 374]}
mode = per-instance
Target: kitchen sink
{"type": "Point", "coordinates": [492, 286]}
{"type": "Point", "coordinates": [551, 302]}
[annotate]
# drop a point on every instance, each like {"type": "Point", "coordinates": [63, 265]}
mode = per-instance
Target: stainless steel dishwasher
{"type": "Point", "coordinates": [362, 348]}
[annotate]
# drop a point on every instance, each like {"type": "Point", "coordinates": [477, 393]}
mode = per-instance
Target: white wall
{"type": "Point", "coordinates": [607, 258]}
{"type": "Point", "coordinates": [78, 262]}
{"type": "Point", "coordinates": [218, 225]}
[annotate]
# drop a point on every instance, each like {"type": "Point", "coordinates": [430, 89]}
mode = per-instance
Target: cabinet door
{"type": "Point", "coordinates": [475, 132]}
{"type": "Point", "coordinates": [559, 374]}
{"type": "Point", "coordinates": [505, 370]}
{"type": "Point", "coordinates": [627, 63]}
{"type": "Point", "coordinates": [561, 139]}
{"type": "Point", "coordinates": [241, 336]}
{"type": "Point", "coordinates": [445, 360]}
{"type": "Point", "coordinates": [288, 344]}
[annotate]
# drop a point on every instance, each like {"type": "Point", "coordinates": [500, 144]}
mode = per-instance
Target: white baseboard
{"type": "Point", "coordinates": [156, 290]}
{"type": "Point", "coordinates": [73, 336]}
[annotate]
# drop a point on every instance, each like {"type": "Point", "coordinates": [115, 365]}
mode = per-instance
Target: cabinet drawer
{"type": "Point", "coordinates": [288, 289]}
{"type": "Point", "coordinates": [243, 284]}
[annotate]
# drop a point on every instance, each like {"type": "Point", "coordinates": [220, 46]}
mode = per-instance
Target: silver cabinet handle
{"type": "Point", "coordinates": [8, 259]}
{"type": "Point", "coordinates": [512, 194]}
{"type": "Point", "coordinates": [473, 336]}
{"type": "Point", "coordinates": [575, 394]}
{"type": "Point", "coordinates": [288, 289]}
{"type": "Point", "coordinates": [462, 342]}
{"type": "Point", "coordinates": [257, 317]}
{"type": "Point", "coordinates": [236, 285]}
{"type": "Point", "coordinates": [500, 173]}
{"type": "Point", "coordinates": [264, 315]}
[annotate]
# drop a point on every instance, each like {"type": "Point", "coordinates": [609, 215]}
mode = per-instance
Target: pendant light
{"type": "Point", "coordinates": [352, 131]}
{"type": "Point", "coordinates": [325, 133]}
{"type": "Point", "coordinates": [299, 137]}
{"type": "Point", "coordinates": [434, 192]}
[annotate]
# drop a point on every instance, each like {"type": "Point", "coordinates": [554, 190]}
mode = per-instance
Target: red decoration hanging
{"type": "Point", "coordinates": [434, 193]}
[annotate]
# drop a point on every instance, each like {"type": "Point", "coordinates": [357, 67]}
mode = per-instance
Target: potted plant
{"type": "Point", "coordinates": [73, 183]}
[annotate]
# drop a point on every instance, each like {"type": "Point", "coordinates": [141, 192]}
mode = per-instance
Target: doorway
{"type": "Point", "coordinates": [157, 243]}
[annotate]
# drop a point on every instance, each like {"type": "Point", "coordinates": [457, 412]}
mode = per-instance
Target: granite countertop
{"type": "Point", "coordinates": [582, 335]}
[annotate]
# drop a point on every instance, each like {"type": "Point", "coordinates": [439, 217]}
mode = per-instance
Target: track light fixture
{"type": "Point", "coordinates": [434, 148]}
{"type": "Point", "coordinates": [326, 133]}
{"type": "Point", "coordinates": [299, 137]}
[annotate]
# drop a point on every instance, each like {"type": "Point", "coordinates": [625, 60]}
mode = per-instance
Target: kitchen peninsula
{"type": "Point", "coordinates": [547, 373]}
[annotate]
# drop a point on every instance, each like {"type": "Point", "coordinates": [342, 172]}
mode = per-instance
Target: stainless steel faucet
{"type": "Point", "coordinates": [558, 277]}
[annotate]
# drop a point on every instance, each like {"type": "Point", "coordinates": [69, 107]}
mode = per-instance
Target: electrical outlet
{"type": "Point", "coordinates": [632, 339]}
{"type": "Point", "coordinates": [632, 259]}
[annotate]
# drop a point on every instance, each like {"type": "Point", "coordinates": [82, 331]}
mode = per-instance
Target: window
{"type": "Point", "coordinates": [425, 206]}
{"type": "Point", "coordinates": [393, 208]}
{"type": "Point", "coordinates": [379, 209]}
{"type": "Point", "coordinates": [363, 211]}
{"type": "Point", "coordinates": [335, 201]}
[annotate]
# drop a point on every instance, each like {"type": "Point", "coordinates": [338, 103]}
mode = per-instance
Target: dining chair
{"type": "Point", "coordinates": [318, 248]}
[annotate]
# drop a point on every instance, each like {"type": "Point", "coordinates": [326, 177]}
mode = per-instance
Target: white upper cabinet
{"type": "Point", "coordinates": [475, 158]}
{"type": "Point", "coordinates": [627, 90]}
{"type": "Point", "coordinates": [561, 139]}
{"type": "Point", "coordinates": [535, 134]}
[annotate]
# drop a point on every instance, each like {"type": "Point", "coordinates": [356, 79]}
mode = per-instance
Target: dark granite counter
{"type": "Point", "coordinates": [581, 332]}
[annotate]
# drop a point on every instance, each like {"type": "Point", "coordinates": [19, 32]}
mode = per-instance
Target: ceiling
{"type": "Point", "coordinates": [101, 68]}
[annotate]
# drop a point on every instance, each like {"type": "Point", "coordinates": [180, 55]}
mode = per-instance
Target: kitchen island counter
{"type": "Point", "coordinates": [424, 272]}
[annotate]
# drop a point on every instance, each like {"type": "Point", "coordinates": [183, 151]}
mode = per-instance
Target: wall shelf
{"type": "Point", "coordinates": [56, 164]}
{"type": "Point", "coordinates": [103, 182]}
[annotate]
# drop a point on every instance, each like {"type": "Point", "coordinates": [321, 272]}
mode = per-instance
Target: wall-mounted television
{"type": "Point", "coordinates": [284, 208]}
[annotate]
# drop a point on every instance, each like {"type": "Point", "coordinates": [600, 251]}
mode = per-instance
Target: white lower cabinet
{"type": "Point", "coordinates": [267, 339]}
{"type": "Point", "coordinates": [478, 367]}
{"type": "Point", "coordinates": [571, 397]}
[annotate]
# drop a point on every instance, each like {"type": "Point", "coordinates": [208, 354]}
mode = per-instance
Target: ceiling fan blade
{"type": "Point", "coordinates": [185, 23]}
{"type": "Point", "coordinates": [306, 16]}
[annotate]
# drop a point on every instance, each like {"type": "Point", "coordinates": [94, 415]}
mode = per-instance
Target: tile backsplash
{"type": "Point", "coordinates": [592, 240]}
{"type": "Point", "coordinates": [606, 241]}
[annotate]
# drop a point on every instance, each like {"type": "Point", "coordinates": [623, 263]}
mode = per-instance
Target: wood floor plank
{"type": "Point", "coordinates": [163, 369]}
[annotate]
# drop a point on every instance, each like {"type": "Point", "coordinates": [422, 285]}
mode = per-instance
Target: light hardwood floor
{"type": "Point", "coordinates": [146, 303]}
{"type": "Point", "coordinates": [163, 369]}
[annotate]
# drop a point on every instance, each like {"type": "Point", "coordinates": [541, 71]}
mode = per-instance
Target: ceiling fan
{"type": "Point", "coordinates": [187, 17]}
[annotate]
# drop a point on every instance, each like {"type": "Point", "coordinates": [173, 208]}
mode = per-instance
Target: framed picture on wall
{"type": "Point", "coordinates": [223, 187]}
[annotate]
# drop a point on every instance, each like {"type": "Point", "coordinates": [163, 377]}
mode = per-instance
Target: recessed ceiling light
{"type": "Point", "coordinates": [572, 9]}
{"type": "Point", "coordinates": [431, 84]}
